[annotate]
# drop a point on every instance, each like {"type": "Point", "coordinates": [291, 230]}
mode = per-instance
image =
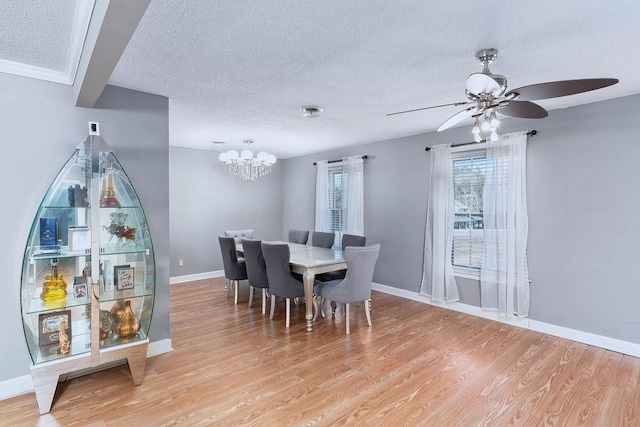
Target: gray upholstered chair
{"type": "Point", "coordinates": [299, 236]}
{"type": "Point", "coordinates": [281, 282]}
{"type": "Point", "coordinates": [238, 235]}
{"type": "Point", "coordinates": [234, 270]}
{"type": "Point", "coordinates": [256, 270]}
{"type": "Point", "coordinates": [322, 239]}
{"type": "Point", "coordinates": [347, 240]}
{"type": "Point", "coordinates": [353, 240]}
{"type": "Point", "coordinates": [356, 286]}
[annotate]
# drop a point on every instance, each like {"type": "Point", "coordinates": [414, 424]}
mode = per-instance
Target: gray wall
{"type": "Point", "coordinates": [582, 199]}
{"type": "Point", "coordinates": [40, 129]}
{"type": "Point", "coordinates": [205, 200]}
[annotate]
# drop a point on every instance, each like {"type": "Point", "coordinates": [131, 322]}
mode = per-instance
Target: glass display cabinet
{"type": "Point", "coordinates": [88, 272]}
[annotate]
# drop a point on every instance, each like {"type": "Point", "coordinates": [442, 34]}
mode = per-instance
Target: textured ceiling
{"type": "Point", "coordinates": [235, 70]}
{"type": "Point", "coordinates": [43, 39]}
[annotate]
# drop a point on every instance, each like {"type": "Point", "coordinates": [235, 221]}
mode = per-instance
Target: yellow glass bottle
{"type": "Point", "coordinates": [54, 287]}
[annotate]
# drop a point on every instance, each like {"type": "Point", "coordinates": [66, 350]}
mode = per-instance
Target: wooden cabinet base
{"type": "Point", "coordinates": [45, 375]}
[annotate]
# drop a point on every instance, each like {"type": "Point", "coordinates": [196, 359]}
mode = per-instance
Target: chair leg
{"type": "Point", "coordinates": [316, 309]}
{"type": "Point", "coordinates": [367, 310]}
{"type": "Point", "coordinates": [288, 311]}
{"type": "Point", "coordinates": [226, 286]}
{"type": "Point", "coordinates": [346, 316]}
{"type": "Point", "coordinates": [251, 290]}
{"type": "Point", "coordinates": [264, 300]}
{"type": "Point", "coordinates": [236, 283]}
{"type": "Point", "coordinates": [273, 306]}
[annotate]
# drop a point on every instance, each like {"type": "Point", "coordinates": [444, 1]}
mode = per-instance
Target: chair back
{"type": "Point", "coordinates": [238, 235]}
{"type": "Point", "coordinates": [322, 239]}
{"type": "Point", "coordinates": [233, 269]}
{"type": "Point", "coordinates": [254, 260]}
{"type": "Point", "coordinates": [299, 236]}
{"type": "Point", "coordinates": [353, 240]}
{"type": "Point", "coordinates": [281, 282]}
{"type": "Point", "coordinates": [361, 261]}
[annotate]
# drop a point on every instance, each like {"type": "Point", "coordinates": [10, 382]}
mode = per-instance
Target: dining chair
{"type": "Point", "coordinates": [238, 235]}
{"type": "Point", "coordinates": [355, 287]}
{"type": "Point", "coordinates": [234, 270]}
{"type": "Point", "coordinates": [281, 282]}
{"type": "Point", "coordinates": [322, 239]}
{"type": "Point", "coordinates": [256, 270]}
{"type": "Point", "coordinates": [299, 236]}
{"type": "Point", "coordinates": [347, 240]}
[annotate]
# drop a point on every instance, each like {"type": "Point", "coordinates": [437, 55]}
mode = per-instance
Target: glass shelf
{"type": "Point", "coordinates": [36, 305]}
{"type": "Point", "coordinates": [80, 343]}
{"type": "Point", "coordinates": [138, 291]}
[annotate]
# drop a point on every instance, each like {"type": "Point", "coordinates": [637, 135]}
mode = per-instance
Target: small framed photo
{"type": "Point", "coordinates": [79, 239]}
{"type": "Point", "coordinates": [80, 290]}
{"type": "Point", "coordinates": [49, 325]}
{"type": "Point", "coordinates": [123, 277]}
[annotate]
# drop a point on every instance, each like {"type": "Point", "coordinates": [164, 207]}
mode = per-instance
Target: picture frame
{"type": "Point", "coordinates": [123, 277]}
{"type": "Point", "coordinates": [79, 289]}
{"type": "Point", "coordinates": [79, 239]}
{"type": "Point", "coordinates": [48, 325]}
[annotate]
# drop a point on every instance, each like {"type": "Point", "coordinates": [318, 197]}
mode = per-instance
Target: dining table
{"type": "Point", "coordinates": [308, 261]}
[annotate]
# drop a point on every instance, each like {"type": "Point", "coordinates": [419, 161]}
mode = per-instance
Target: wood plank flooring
{"type": "Point", "coordinates": [418, 365]}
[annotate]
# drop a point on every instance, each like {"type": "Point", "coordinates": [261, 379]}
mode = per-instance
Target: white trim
{"type": "Point", "coordinates": [467, 273]}
{"type": "Point", "coordinates": [197, 276]}
{"type": "Point", "coordinates": [33, 72]}
{"type": "Point", "coordinates": [468, 147]}
{"type": "Point", "coordinates": [81, 20]}
{"type": "Point", "coordinates": [15, 386]}
{"type": "Point", "coordinates": [601, 341]}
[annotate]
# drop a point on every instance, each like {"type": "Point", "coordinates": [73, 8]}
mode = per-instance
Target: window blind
{"type": "Point", "coordinates": [336, 205]}
{"type": "Point", "coordinates": [469, 171]}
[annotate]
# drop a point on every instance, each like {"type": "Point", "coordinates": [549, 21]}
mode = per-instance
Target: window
{"type": "Point", "coordinates": [340, 197]}
{"type": "Point", "coordinates": [336, 205]}
{"type": "Point", "coordinates": [469, 169]}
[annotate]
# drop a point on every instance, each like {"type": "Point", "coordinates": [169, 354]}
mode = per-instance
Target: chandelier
{"type": "Point", "coordinates": [485, 126]}
{"type": "Point", "coordinates": [244, 165]}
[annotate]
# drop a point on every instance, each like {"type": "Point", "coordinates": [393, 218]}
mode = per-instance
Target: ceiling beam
{"type": "Point", "coordinates": [113, 22]}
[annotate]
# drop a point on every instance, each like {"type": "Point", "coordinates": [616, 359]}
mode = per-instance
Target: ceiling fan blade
{"type": "Point", "coordinates": [478, 83]}
{"type": "Point", "coordinates": [560, 88]}
{"type": "Point", "coordinates": [525, 109]}
{"type": "Point", "coordinates": [456, 104]}
{"type": "Point", "coordinates": [458, 117]}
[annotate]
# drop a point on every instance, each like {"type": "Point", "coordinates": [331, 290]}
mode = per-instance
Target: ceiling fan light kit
{"type": "Point", "coordinates": [488, 94]}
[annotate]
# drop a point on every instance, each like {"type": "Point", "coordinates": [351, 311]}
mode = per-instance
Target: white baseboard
{"type": "Point", "coordinates": [613, 344]}
{"type": "Point", "coordinates": [15, 386]}
{"type": "Point", "coordinates": [23, 384]}
{"type": "Point", "coordinates": [197, 276]}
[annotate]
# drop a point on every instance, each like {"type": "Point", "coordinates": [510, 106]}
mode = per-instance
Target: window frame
{"type": "Point", "coordinates": [471, 151]}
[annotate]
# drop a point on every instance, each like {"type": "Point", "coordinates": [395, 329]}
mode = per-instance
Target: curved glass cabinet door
{"type": "Point", "coordinates": [89, 238]}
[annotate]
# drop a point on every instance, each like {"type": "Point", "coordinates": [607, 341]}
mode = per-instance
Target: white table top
{"type": "Point", "coordinates": [309, 256]}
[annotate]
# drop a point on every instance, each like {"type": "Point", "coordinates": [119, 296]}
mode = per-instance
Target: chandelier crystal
{"type": "Point", "coordinates": [244, 165]}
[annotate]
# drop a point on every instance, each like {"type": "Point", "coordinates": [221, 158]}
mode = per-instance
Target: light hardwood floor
{"type": "Point", "coordinates": [418, 365]}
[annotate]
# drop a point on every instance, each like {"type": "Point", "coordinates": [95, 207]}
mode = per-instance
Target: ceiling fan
{"type": "Point", "coordinates": [487, 94]}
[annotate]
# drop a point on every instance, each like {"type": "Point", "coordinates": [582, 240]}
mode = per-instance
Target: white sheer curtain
{"type": "Point", "coordinates": [323, 218]}
{"type": "Point", "coordinates": [438, 280]}
{"type": "Point", "coordinates": [504, 277]}
{"type": "Point", "coordinates": [353, 194]}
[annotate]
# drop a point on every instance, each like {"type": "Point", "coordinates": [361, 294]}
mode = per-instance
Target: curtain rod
{"type": "Point", "coordinates": [530, 133]}
{"type": "Point", "coordinates": [336, 161]}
